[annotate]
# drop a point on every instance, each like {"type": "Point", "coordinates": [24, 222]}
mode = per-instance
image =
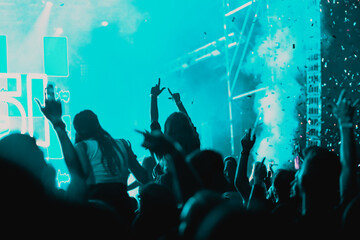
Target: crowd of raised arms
{"type": "Point", "coordinates": [185, 192]}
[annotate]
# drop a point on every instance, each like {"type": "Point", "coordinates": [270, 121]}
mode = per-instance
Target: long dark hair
{"type": "Point", "coordinates": [87, 126]}
{"type": "Point", "coordinates": [179, 127]}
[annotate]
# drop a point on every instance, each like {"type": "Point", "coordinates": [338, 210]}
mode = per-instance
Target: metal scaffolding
{"type": "Point", "coordinates": [234, 45]}
{"type": "Point", "coordinates": [313, 75]}
{"type": "Point", "coordinates": [235, 60]}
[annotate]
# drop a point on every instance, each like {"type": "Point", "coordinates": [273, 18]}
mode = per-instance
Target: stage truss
{"type": "Point", "coordinates": [234, 45]}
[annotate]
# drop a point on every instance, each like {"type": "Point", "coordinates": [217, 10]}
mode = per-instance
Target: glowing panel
{"type": "Point", "coordinates": [7, 86]}
{"type": "Point", "coordinates": [17, 112]}
{"type": "Point", "coordinates": [56, 56]}
{"type": "Point", "coordinates": [3, 55]}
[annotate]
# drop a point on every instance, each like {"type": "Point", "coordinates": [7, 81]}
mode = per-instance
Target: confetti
{"type": "Point", "coordinates": [340, 64]}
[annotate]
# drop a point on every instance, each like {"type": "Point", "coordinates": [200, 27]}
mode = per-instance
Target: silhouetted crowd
{"type": "Point", "coordinates": [185, 192]}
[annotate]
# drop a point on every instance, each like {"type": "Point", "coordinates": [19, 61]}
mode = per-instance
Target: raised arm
{"type": "Point", "coordinates": [186, 182]}
{"type": "Point", "coordinates": [154, 112]}
{"type": "Point", "coordinates": [344, 111]}
{"type": "Point", "coordinates": [257, 198]}
{"type": "Point", "coordinates": [179, 104]}
{"type": "Point", "coordinates": [53, 112]}
{"type": "Point", "coordinates": [137, 170]}
{"type": "Point", "coordinates": [241, 179]}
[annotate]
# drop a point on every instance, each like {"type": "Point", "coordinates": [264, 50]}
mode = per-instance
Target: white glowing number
{"type": "Point", "coordinates": [30, 102]}
{"type": "Point", "coordinates": [24, 123]}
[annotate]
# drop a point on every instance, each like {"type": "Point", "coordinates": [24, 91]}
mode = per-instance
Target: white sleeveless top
{"type": "Point", "coordinates": [100, 173]}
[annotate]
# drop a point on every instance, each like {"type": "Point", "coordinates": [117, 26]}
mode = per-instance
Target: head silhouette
{"type": "Point", "coordinates": [209, 166]}
{"type": "Point", "coordinates": [178, 126]}
{"type": "Point", "coordinates": [319, 176]}
{"type": "Point", "coordinates": [158, 212]}
{"type": "Point", "coordinates": [22, 150]}
{"type": "Point", "coordinates": [230, 165]}
{"type": "Point", "coordinates": [282, 183]}
{"type": "Point", "coordinates": [195, 210]}
{"type": "Point", "coordinates": [87, 126]}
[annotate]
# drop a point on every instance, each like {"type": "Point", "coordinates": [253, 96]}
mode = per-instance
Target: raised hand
{"type": "Point", "coordinates": [260, 172]}
{"type": "Point", "coordinates": [344, 109]}
{"type": "Point", "coordinates": [158, 143]}
{"type": "Point", "coordinates": [247, 143]}
{"type": "Point", "coordinates": [52, 109]}
{"type": "Point", "coordinates": [174, 96]}
{"type": "Point", "coordinates": [156, 91]}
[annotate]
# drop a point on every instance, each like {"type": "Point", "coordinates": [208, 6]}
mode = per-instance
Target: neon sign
{"type": "Point", "coordinates": [17, 112]}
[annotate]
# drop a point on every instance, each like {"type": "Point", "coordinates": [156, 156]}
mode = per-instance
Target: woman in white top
{"type": "Point", "coordinates": [106, 163]}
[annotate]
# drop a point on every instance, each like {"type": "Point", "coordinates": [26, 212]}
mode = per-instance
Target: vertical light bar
{"type": "Point", "coordinates": [232, 143]}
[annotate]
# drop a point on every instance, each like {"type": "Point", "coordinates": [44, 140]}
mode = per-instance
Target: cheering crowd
{"type": "Point", "coordinates": [185, 192]}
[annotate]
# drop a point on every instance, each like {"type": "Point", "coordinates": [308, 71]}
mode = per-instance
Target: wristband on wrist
{"type": "Point", "coordinates": [59, 125]}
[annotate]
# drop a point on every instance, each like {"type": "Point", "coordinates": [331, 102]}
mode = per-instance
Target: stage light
{"type": "Point", "coordinates": [104, 23]}
{"type": "Point", "coordinates": [185, 65]}
{"type": "Point", "coordinates": [238, 9]}
{"type": "Point", "coordinates": [232, 44]}
{"type": "Point", "coordinates": [215, 52]}
{"type": "Point", "coordinates": [58, 32]}
{"type": "Point", "coordinates": [203, 57]}
{"type": "Point", "coordinates": [49, 4]}
{"type": "Point", "coordinates": [205, 46]}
